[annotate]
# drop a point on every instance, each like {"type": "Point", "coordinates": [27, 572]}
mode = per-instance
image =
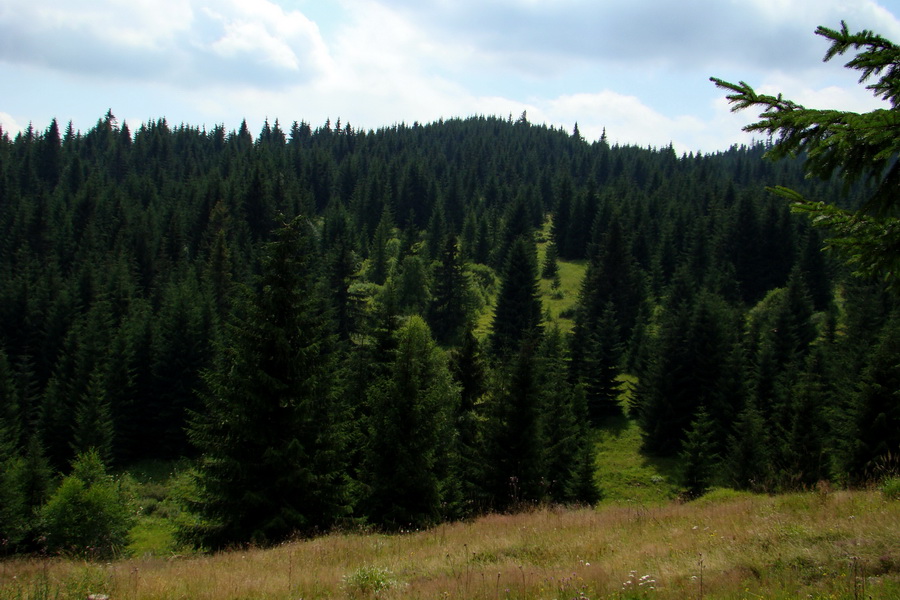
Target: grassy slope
{"type": "Point", "coordinates": [812, 545]}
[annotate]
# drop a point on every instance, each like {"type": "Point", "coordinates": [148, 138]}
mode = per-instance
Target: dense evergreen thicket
{"type": "Point", "coordinates": [297, 311]}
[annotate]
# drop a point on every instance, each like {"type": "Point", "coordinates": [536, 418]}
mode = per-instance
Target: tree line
{"type": "Point", "coordinates": [299, 314]}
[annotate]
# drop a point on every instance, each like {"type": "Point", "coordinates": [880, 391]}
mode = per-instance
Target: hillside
{"type": "Point", "coordinates": [415, 325]}
{"type": "Point", "coordinates": [823, 544]}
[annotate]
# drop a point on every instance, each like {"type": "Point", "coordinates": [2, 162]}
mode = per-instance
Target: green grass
{"type": "Point", "coordinates": [560, 301]}
{"type": "Point", "coordinates": [557, 303]}
{"type": "Point", "coordinates": [155, 485]}
{"type": "Point", "coordinates": [627, 476]}
{"type": "Point", "coordinates": [823, 545]}
{"type": "Point", "coordinates": [625, 473]}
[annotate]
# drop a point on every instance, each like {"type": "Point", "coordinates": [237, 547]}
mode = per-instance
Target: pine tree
{"type": "Point", "coordinates": [517, 314]}
{"type": "Point", "coordinates": [550, 268]}
{"type": "Point", "coordinates": [689, 368]}
{"type": "Point", "coordinates": [747, 461]}
{"type": "Point", "coordinates": [599, 367]}
{"type": "Point", "coordinates": [803, 457]}
{"type": "Point", "coordinates": [379, 253]}
{"type": "Point", "coordinates": [876, 410]}
{"type": "Point", "coordinates": [471, 373]}
{"type": "Point", "coordinates": [514, 439]}
{"type": "Point", "coordinates": [698, 455]}
{"type": "Point", "coordinates": [412, 283]}
{"type": "Point", "coordinates": [271, 430]}
{"type": "Point", "coordinates": [448, 312]}
{"type": "Point", "coordinates": [410, 453]}
{"type": "Point", "coordinates": [12, 509]}
{"type": "Point", "coordinates": [860, 147]}
{"type": "Point", "coordinates": [93, 424]}
{"type": "Point", "coordinates": [568, 455]}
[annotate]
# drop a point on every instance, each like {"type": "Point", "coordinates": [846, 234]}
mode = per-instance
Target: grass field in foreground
{"type": "Point", "coordinates": [725, 546]}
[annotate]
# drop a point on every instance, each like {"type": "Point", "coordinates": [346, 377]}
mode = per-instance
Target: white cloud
{"type": "Point", "coordinates": [9, 125]}
{"type": "Point", "coordinates": [639, 68]}
{"type": "Point", "coordinates": [251, 42]}
{"type": "Point", "coordinates": [555, 36]}
{"type": "Point", "coordinates": [629, 121]}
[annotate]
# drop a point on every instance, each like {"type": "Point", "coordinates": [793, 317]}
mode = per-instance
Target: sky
{"type": "Point", "coordinates": [638, 69]}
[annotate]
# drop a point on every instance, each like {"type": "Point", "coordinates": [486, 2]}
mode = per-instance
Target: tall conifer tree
{"type": "Point", "coordinates": [271, 430]}
{"type": "Point", "coordinates": [517, 315]}
{"type": "Point", "coordinates": [410, 454]}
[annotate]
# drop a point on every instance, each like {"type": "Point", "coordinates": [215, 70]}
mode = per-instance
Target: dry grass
{"type": "Point", "coordinates": [813, 545]}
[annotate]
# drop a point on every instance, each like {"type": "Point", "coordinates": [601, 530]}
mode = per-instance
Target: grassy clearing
{"type": "Point", "coordinates": [729, 546]}
{"type": "Point", "coordinates": [559, 302]}
{"type": "Point", "coordinates": [153, 484]}
{"type": "Point", "coordinates": [625, 475]}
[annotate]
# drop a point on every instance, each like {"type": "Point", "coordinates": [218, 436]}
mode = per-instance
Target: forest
{"type": "Point", "coordinates": [338, 326]}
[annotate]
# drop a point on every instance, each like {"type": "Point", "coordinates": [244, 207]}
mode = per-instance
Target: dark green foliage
{"type": "Point", "coordinates": [124, 251]}
{"type": "Point", "coordinates": [89, 514]}
{"type": "Point", "coordinates": [875, 411]}
{"type": "Point", "coordinates": [13, 517]}
{"type": "Point", "coordinates": [691, 364]}
{"type": "Point", "coordinates": [857, 147]}
{"type": "Point", "coordinates": [271, 428]}
{"type": "Point", "coordinates": [448, 312]}
{"type": "Point", "coordinates": [550, 268]}
{"type": "Point", "coordinates": [698, 455]}
{"type": "Point", "coordinates": [803, 460]}
{"type": "Point", "coordinates": [412, 285]}
{"type": "Point", "coordinates": [515, 433]}
{"type": "Point", "coordinates": [410, 445]}
{"type": "Point", "coordinates": [471, 373]}
{"type": "Point", "coordinates": [93, 425]}
{"type": "Point", "coordinates": [568, 453]}
{"type": "Point", "coordinates": [517, 314]}
{"type": "Point", "coordinates": [598, 362]}
{"type": "Point", "coordinates": [747, 460]}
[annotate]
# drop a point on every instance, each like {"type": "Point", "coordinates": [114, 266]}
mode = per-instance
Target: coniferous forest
{"type": "Point", "coordinates": [340, 326]}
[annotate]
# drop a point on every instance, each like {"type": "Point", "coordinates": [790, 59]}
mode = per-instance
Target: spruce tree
{"type": "Point", "coordinates": [876, 410]}
{"type": "Point", "coordinates": [410, 447]}
{"type": "Point", "coordinates": [271, 429]}
{"type": "Point", "coordinates": [698, 455]}
{"type": "Point", "coordinates": [568, 455]}
{"type": "Point", "coordinates": [859, 147]}
{"type": "Point", "coordinates": [550, 268]}
{"type": "Point", "coordinates": [517, 314]}
{"type": "Point", "coordinates": [514, 436]}
{"type": "Point", "coordinates": [448, 312]}
{"type": "Point", "coordinates": [471, 373]}
{"type": "Point", "coordinates": [747, 459]}
{"type": "Point", "coordinates": [93, 424]}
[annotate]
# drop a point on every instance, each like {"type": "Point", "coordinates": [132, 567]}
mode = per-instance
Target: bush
{"type": "Point", "coordinates": [89, 513]}
{"type": "Point", "coordinates": [891, 488]}
{"type": "Point", "coordinates": [368, 582]}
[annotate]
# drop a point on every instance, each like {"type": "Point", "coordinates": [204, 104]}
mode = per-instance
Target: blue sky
{"type": "Point", "coordinates": [639, 68]}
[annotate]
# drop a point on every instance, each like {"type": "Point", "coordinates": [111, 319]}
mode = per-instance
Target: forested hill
{"type": "Point", "coordinates": [159, 298]}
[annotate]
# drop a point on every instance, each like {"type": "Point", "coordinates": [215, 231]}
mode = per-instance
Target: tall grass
{"type": "Point", "coordinates": [812, 545]}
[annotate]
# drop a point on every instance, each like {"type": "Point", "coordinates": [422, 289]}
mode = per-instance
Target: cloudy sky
{"type": "Point", "coordinates": [639, 68]}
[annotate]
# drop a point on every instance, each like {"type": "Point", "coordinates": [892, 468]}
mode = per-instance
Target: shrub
{"type": "Point", "coordinates": [89, 513]}
{"type": "Point", "coordinates": [368, 582]}
{"type": "Point", "coordinates": [891, 488]}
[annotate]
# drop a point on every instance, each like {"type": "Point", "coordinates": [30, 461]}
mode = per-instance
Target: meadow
{"type": "Point", "coordinates": [818, 544]}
